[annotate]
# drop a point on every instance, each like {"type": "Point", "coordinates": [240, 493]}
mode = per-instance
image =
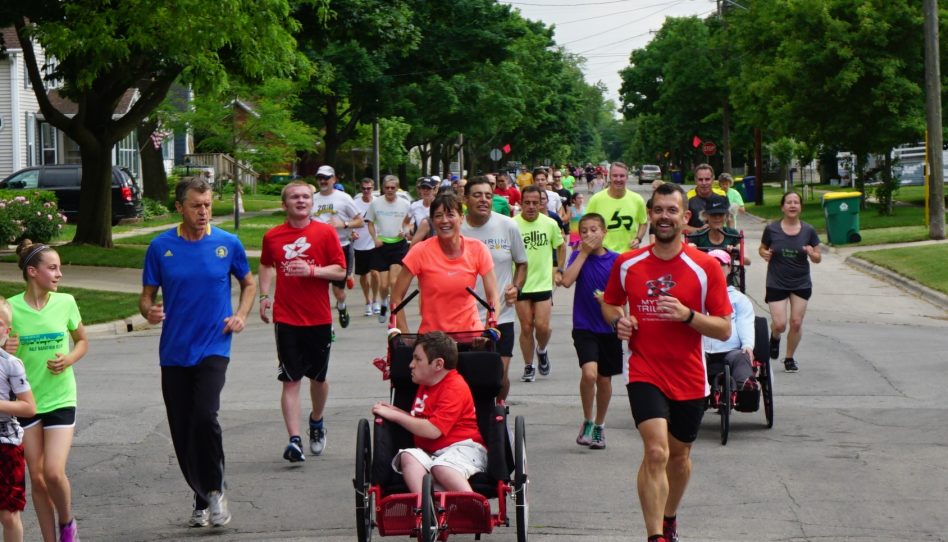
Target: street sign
{"type": "Point", "coordinates": [495, 154]}
{"type": "Point", "coordinates": [709, 148]}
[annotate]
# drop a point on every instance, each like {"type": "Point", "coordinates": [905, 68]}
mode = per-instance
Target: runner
{"type": "Point", "coordinates": [388, 218]}
{"type": "Point", "coordinates": [16, 401]}
{"type": "Point", "coordinates": [303, 256]}
{"type": "Point", "coordinates": [43, 322]}
{"type": "Point", "coordinates": [363, 247]}
{"type": "Point", "coordinates": [445, 266]}
{"type": "Point", "coordinates": [192, 265]}
{"type": "Point", "coordinates": [503, 240]}
{"type": "Point", "coordinates": [676, 294]}
{"type": "Point", "coordinates": [541, 237]}
{"type": "Point", "coordinates": [421, 209]}
{"type": "Point", "coordinates": [788, 246]}
{"type": "Point", "coordinates": [700, 196]}
{"type": "Point", "coordinates": [623, 210]}
{"type": "Point", "coordinates": [598, 348]}
{"type": "Point", "coordinates": [336, 208]}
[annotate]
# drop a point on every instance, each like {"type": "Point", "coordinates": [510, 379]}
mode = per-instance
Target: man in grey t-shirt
{"type": "Point", "coordinates": [503, 240]}
{"type": "Point", "coordinates": [388, 218]}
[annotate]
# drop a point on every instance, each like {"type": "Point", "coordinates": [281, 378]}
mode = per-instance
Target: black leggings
{"type": "Point", "coordinates": [192, 398]}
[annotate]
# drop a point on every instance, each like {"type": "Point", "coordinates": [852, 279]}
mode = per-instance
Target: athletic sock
{"type": "Point", "coordinates": [316, 424]}
{"type": "Point", "coordinates": [656, 538]}
{"type": "Point", "coordinates": [539, 351]}
{"type": "Point", "coordinates": [341, 306]}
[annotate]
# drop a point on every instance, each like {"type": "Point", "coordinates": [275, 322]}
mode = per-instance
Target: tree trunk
{"type": "Point", "coordinates": [425, 156]}
{"type": "Point", "coordinates": [153, 176]}
{"type": "Point", "coordinates": [95, 198]}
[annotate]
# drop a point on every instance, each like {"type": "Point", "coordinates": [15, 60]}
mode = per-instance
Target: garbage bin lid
{"type": "Point", "coordinates": [841, 195]}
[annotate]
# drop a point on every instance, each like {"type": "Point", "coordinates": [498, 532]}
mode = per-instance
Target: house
{"type": "Point", "coordinates": [26, 139]}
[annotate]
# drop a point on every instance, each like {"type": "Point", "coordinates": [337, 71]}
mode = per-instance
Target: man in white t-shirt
{"type": "Point", "coordinates": [388, 218]}
{"type": "Point", "coordinates": [553, 204]}
{"type": "Point", "coordinates": [336, 208]}
{"type": "Point", "coordinates": [363, 248]}
{"type": "Point", "coordinates": [502, 237]}
{"type": "Point", "coordinates": [421, 208]}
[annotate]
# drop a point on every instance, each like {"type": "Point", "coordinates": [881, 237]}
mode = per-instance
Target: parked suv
{"type": "Point", "coordinates": [649, 173]}
{"type": "Point", "coordinates": [63, 180]}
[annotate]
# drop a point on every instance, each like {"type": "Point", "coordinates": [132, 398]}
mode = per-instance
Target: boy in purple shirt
{"type": "Point", "coordinates": [597, 345]}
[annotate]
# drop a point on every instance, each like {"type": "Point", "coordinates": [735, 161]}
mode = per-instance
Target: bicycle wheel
{"type": "Point", "coordinates": [429, 519]}
{"type": "Point", "coordinates": [520, 478]}
{"type": "Point", "coordinates": [363, 499]}
{"type": "Point", "coordinates": [725, 407]}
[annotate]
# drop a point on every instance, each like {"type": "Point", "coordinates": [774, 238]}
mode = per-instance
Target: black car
{"type": "Point", "coordinates": [64, 180]}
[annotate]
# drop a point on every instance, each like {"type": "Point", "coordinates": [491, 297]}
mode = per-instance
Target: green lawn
{"type": "Point", "coordinates": [95, 306]}
{"type": "Point", "coordinates": [250, 233]}
{"type": "Point", "coordinates": [924, 264]}
{"type": "Point", "coordinates": [125, 256]}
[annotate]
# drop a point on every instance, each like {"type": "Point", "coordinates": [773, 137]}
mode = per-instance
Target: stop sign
{"type": "Point", "coordinates": [709, 148]}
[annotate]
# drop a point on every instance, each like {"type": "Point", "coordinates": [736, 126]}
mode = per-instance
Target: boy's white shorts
{"type": "Point", "coordinates": [466, 457]}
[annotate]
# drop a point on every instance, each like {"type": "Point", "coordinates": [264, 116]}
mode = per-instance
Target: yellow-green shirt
{"type": "Point", "coordinates": [623, 217]}
{"type": "Point", "coordinates": [44, 333]}
{"type": "Point", "coordinates": [540, 238]}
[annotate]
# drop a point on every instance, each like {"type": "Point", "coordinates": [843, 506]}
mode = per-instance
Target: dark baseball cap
{"type": "Point", "coordinates": [717, 205]}
{"type": "Point", "coordinates": [428, 182]}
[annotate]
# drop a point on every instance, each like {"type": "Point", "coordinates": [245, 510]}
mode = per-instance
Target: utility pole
{"type": "Point", "coordinates": [936, 180]}
{"type": "Point", "coordinates": [375, 155]}
{"type": "Point", "coordinates": [725, 103]}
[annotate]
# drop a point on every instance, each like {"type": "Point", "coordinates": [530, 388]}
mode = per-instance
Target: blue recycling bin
{"type": "Point", "coordinates": [750, 188]}
{"type": "Point", "coordinates": [676, 176]}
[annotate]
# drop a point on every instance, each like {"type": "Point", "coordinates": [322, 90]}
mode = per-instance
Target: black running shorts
{"type": "Point", "coordinates": [603, 348]}
{"type": "Point", "coordinates": [648, 402]}
{"type": "Point", "coordinates": [302, 351]}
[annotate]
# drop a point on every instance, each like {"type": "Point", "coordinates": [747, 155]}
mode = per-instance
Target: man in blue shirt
{"type": "Point", "coordinates": [192, 265]}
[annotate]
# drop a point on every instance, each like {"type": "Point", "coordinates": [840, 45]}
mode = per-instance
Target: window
{"type": "Point", "coordinates": [61, 177]}
{"type": "Point", "coordinates": [48, 135]}
{"type": "Point", "coordinates": [71, 154]}
{"type": "Point", "coordinates": [30, 139]}
{"type": "Point", "coordinates": [126, 152]}
{"type": "Point", "coordinates": [25, 179]}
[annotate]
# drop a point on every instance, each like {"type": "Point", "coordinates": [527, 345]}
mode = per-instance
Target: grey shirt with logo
{"type": "Point", "coordinates": [502, 237]}
{"type": "Point", "coordinates": [789, 267]}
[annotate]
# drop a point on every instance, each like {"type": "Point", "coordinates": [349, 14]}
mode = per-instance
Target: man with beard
{"type": "Point", "coordinates": [700, 196]}
{"type": "Point", "coordinates": [676, 295]}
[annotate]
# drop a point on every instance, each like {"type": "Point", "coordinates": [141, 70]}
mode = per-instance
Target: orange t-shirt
{"type": "Point", "coordinates": [445, 304]}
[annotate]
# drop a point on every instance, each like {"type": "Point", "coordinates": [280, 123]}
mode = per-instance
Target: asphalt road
{"type": "Point", "coordinates": [857, 452]}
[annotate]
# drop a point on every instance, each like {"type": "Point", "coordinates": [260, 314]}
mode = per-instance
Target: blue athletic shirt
{"type": "Point", "coordinates": [593, 276]}
{"type": "Point", "coordinates": [194, 278]}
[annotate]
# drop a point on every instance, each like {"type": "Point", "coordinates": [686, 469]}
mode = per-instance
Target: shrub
{"type": "Point", "coordinates": [32, 215]}
{"type": "Point", "coordinates": [152, 208]}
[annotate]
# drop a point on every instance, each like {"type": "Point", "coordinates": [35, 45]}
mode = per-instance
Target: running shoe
{"type": "Point", "coordinates": [69, 532]}
{"type": "Point", "coordinates": [598, 438]}
{"type": "Point", "coordinates": [529, 374]}
{"type": "Point", "coordinates": [383, 312]}
{"type": "Point", "coordinates": [343, 317]}
{"type": "Point", "coordinates": [220, 512]}
{"type": "Point", "coordinates": [544, 358]}
{"type": "Point", "coordinates": [368, 310]}
{"type": "Point", "coordinates": [199, 518]}
{"type": "Point", "coordinates": [670, 530]}
{"type": "Point", "coordinates": [350, 282]}
{"type": "Point", "coordinates": [774, 347]}
{"type": "Point", "coordinates": [317, 439]}
{"type": "Point", "coordinates": [376, 308]}
{"type": "Point", "coordinates": [790, 365]}
{"type": "Point", "coordinates": [294, 451]}
{"type": "Point", "coordinates": [585, 434]}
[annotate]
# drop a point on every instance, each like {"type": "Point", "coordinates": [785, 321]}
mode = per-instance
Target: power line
{"type": "Point", "coordinates": [614, 14]}
{"type": "Point", "coordinates": [583, 4]}
{"type": "Point", "coordinates": [626, 39]}
{"type": "Point", "coordinates": [624, 24]}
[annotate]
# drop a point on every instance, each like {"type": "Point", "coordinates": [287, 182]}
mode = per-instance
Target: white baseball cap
{"type": "Point", "coordinates": [326, 171]}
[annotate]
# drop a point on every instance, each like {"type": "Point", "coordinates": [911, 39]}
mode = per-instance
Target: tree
{"type": "Point", "coordinates": [671, 90]}
{"type": "Point", "coordinates": [105, 52]}
{"type": "Point", "coordinates": [842, 73]}
{"type": "Point", "coordinates": [253, 123]}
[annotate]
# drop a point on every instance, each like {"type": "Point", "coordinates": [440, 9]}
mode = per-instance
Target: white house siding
{"type": "Point", "coordinates": [17, 101]}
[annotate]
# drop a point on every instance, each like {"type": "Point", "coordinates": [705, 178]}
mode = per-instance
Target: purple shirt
{"type": "Point", "coordinates": [593, 276]}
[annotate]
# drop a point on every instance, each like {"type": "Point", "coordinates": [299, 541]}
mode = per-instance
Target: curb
{"type": "Point", "coordinates": [925, 293]}
{"type": "Point", "coordinates": [119, 327]}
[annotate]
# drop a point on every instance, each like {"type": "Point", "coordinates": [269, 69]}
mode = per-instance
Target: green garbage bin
{"type": "Point", "coordinates": [841, 210]}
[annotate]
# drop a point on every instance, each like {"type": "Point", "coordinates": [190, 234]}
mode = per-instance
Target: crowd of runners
{"type": "Point", "coordinates": [647, 302]}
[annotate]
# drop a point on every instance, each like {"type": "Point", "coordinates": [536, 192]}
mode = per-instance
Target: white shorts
{"type": "Point", "coordinates": [466, 457]}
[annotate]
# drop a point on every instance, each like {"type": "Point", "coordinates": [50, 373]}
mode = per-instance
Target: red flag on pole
{"type": "Point", "coordinates": [696, 142]}
{"type": "Point", "coordinates": [506, 148]}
